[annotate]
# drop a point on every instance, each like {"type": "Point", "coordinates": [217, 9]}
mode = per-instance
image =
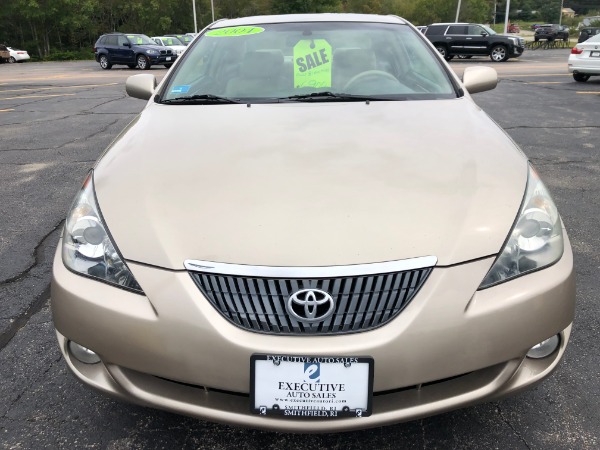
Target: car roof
{"type": "Point", "coordinates": [292, 18]}
{"type": "Point", "coordinates": [163, 37]}
{"type": "Point", "coordinates": [123, 34]}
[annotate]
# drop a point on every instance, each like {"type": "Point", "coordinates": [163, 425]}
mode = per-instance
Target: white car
{"type": "Point", "coordinates": [170, 41]}
{"type": "Point", "coordinates": [17, 55]}
{"type": "Point", "coordinates": [584, 60]}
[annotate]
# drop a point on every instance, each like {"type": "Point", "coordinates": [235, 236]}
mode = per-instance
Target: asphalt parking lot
{"type": "Point", "coordinates": [57, 118]}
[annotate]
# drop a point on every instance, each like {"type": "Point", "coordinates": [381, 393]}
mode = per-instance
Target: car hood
{"type": "Point", "coordinates": [149, 47]}
{"type": "Point", "coordinates": [310, 184]}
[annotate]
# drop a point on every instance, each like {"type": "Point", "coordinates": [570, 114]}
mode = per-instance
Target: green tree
{"type": "Point", "coordinates": [305, 6]}
{"type": "Point", "coordinates": [550, 12]}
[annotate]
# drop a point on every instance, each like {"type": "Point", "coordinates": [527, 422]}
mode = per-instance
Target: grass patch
{"type": "Point", "coordinates": [69, 55]}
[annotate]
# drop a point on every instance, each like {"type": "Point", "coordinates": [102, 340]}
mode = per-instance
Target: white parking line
{"type": "Point", "coordinates": [36, 96]}
{"type": "Point", "coordinates": [57, 87]}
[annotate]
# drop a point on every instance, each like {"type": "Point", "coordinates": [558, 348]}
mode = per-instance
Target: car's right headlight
{"type": "Point", "coordinates": [87, 248]}
{"type": "Point", "coordinates": [152, 52]}
{"type": "Point", "coordinates": [536, 240]}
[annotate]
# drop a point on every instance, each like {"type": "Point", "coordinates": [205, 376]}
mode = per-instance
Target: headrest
{"type": "Point", "coordinates": [262, 64]}
{"type": "Point", "coordinates": [354, 59]}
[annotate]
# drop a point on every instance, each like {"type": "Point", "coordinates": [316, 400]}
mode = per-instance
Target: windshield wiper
{"type": "Point", "coordinates": [332, 96]}
{"type": "Point", "coordinates": [200, 99]}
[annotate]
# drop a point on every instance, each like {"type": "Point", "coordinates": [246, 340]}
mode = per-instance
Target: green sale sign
{"type": "Point", "coordinates": [312, 63]}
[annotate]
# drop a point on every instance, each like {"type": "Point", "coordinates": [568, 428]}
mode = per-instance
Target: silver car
{"type": "Point", "coordinates": [327, 244]}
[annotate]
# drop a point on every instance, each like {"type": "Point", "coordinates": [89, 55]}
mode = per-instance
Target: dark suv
{"type": "Point", "coordinates": [133, 50]}
{"type": "Point", "coordinates": [551, 32]}
{"type": "Point", "coordinates": [471, 39]}
{"type": "Point", "coordinates": [587, 32]}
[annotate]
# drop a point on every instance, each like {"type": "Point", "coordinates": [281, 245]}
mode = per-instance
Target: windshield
{"type": "Point", "coordinates": [488, 30]}
{"type": "Point", "coordinates": [171, 41]}
{"type": "Point", "coordinates": [272, 62]}
{"type": "Point", "coordinates": [184, 39]}
{"type": "Point", "coordinates": [140, 39]}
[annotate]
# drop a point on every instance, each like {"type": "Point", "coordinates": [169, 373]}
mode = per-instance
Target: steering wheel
{"type": "Point", "coordinates": [369, 75]}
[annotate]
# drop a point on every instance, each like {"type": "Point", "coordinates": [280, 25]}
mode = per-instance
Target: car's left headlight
{"type": "Point", "coordinates": [536, 240]}
{"type": "Point", "coordinates": [87, 248]}
{"type": "Point", "coordinates": [152, 52]}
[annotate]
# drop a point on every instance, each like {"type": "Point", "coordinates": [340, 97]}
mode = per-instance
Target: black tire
{"type": "Point", "coordinates": [12, 60]}
{"type": "Point", "coordinates": [550, 39]}
{"type": "Point", "coordinates": [132, 66]}
{"type": "Point", "coordinates": [142, 62]}
{"type": "Point", "coordinates": [168, 66]}
{"type": "Point", "coordinates": [499, 53]}
{"type": "Point", "coordinates": [443, 51]}
{"type": "Point", "coordinates": [104, 62]}
{"type": "Point", "coordinates": [580, 77]}
{"type": "Point", "coordinates": [536, 39]}
{"type": "Point", "coordinates": [566, 38]}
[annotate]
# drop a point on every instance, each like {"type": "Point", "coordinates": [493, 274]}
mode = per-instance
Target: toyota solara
{"type": "Point", "coordinates": [339, 237]}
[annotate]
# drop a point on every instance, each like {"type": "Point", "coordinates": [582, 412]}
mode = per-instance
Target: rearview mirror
{"type": "Point", "coordinates": [480, 79]}
{"type": "Point", "coordinates": [141, 86]}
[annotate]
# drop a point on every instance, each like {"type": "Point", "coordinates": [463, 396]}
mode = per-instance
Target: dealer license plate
{"type": "Point", "coordinates": [168, 58]}
{"type": "Point", "coordinates": [595, 54]}
{"type": "Point", "coordinates": [311, 386]}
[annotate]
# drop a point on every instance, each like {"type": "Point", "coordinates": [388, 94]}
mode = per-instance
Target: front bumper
{"type": "Point", "coordinates": [517, 51]}
{"type": "Point", "coordinates": [451, 347]}
{"type": "Point", "coordinates": [162, 59]}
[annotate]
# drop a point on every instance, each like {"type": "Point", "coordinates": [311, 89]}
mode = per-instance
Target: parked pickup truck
{"type": "Point", "coordinates": [4, 54]}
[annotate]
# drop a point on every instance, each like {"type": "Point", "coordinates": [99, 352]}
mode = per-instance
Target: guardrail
{"type": "Point", "coordinates": [546, 45]}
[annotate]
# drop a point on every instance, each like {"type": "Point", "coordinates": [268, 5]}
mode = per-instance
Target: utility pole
{"type": "Point", "coordinates": [457, 12]}
{"type": "Point", "coordinates": [506, 17]}
{"type": "Point", "coordinates": [561, 8]}
{"type": "Point", "coordinates": [495, 9]}
{"type": "Point", "coordinates": [194, 12]}
{"type": "Point", "coordinates": [212, 9]}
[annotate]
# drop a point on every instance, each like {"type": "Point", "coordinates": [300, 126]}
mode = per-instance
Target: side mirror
{"type": "Point", "coordinates": [479, 79]}
{"type": "Point", "coordinates": [483, 33]}
{"type": "Point", "coordinates": [141, 86]}
{"type": "Point", "coordinates": [126, 44]}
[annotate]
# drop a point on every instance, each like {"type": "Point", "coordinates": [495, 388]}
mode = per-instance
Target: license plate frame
{"type": "Point", "coordinates": [168, 58]}
{"type": "Point", "coordinates": [337, 386]}
{"type": "Point", "coordinates": [595, 54]}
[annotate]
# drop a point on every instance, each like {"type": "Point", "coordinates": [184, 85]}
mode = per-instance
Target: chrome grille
{"type": "Point", "coordinates": [361, 302]}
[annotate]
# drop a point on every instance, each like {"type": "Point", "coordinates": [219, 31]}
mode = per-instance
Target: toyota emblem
{"type": "Point", "coordinates": [310, 305]}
